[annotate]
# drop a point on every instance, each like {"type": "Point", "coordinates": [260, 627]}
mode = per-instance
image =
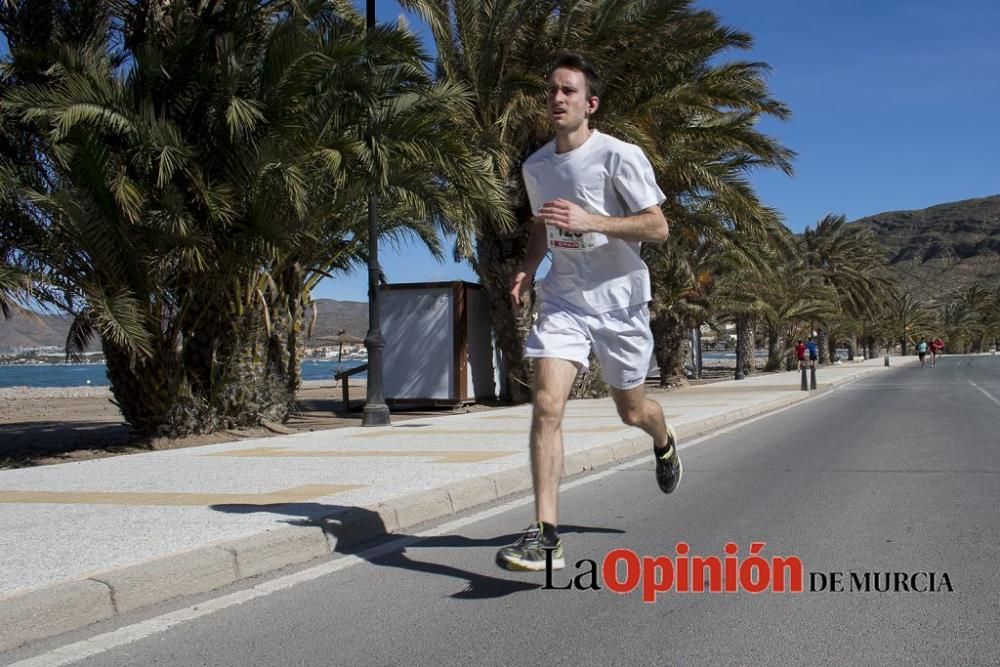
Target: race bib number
{"type": "Point", "coordinates": [563, 240]}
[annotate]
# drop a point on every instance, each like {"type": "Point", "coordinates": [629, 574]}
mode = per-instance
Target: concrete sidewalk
{"type": "Point", "coordinates": [81, 542]}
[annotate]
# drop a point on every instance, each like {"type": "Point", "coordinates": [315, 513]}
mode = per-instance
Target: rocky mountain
{"type": "Point", "coordinates": [22, 332]}
{"type": "Point", "coordinates": [942, 249]}
{"type": "Point", "coordinates": [32, 332]}
{"type": "Point", "coordinates": [332, 317]}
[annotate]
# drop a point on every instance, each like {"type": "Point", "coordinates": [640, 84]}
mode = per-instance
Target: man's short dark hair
{"type": "Point", "coordinates": [577, 62]}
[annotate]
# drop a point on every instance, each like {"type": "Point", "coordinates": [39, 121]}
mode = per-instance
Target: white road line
{"type": "Point", "coordinates": [985, 393]}
{"type": "Point", "coordinates": [72, 653]}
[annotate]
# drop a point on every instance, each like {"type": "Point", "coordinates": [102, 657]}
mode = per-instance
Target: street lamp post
{"type": "Point", "coordinates": [739, 349]}
{"type": "Point", "coordinates": [376, 412]}
{"type": "Point", "coordinates": [697, 351]}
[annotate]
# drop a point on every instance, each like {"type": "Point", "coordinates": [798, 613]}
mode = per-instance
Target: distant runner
{"type": "Point", "coordinates": [922, 351]}
{"type": "Point", "coordinates": [936, 346]}
{"type": "Point", "coordinates": [813, 352]}
{"type": "Point", "coordinates": [800, 353]}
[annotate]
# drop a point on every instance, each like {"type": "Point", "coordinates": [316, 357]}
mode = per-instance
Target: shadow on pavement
{"type": "Point", "coordinates": [359, 530]}
{"type": "Point", "coordinates": [24, 444]}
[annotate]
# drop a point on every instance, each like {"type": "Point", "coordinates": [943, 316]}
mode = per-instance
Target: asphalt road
{"type": "Point", "coordinates": [899, 472]}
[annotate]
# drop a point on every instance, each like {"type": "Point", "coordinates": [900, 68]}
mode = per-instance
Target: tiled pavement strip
{"type": "Point", "coordinates": [83, 541]}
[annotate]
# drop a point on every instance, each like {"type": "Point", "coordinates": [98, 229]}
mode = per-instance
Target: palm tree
{"type": "Point", "coordinates": [851, 261]}
{"type": "Point", "coordinates": [976, 300]}
{"type": "Point", "coordinates": [970, 318]}
{"type": "Point", "coordinates": [907, 319]}
{"type": "Point", "coordinates": [679, 303]}
{"type": "Point", "coordinates": [789, 298]}
{"type": "Point", "coordinates": [958, 324]}
{"type": "Point", "coordinates": [991, 317]}
{"type": "Point", "coordinates": [735, 267]}
{"type": "Point", "coordinates": [21, 284]}
{"type": "Point", "coordinates": [15, 286]}
{"type": "Point", "coordinates": [189, 185]}
{"type": "Point", "coordinates": [717, 277]}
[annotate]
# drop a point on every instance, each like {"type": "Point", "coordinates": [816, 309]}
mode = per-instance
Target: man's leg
{"type": "Point", "coordinates": [553, 382]}
{"type": "Point", "coordinates": [623, 343]}
{"type": "Point", "coordinates": [540, 546]}
{"type": "Point", "coordinates": [560, 345]}
{"type": "Point", "coordinates": [637, 410]}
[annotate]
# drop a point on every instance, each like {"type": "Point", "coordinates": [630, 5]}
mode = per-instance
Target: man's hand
{"type": "Point", "coordinates": [520, 285]}
{"type": "Point", "coordinates": [567, 216]}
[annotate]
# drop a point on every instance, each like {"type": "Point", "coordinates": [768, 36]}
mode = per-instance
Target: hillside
{"type": "Point", "coordinates": [335, 316]}
{"type": "Point", "coordinates": [37, 331]}
{"type": "Point", "coordinates": [50, 330]}
{"type": "Point", "coordinates": [944, 248]}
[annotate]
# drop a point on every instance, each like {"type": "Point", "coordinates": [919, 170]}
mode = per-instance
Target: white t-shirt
{"type": "Point", "coordinates": [605, 176]}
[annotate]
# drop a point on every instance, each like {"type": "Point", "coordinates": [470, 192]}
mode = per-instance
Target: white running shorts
{"type": "Point", "coordinates": [622, 341]}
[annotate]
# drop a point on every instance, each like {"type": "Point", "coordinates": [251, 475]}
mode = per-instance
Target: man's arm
{"type": "Point", "coordinates": [537, 247]}
{"type": "Point", "coordinates": [648, 225]}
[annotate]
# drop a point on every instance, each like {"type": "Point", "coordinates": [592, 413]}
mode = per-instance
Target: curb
{"type": "Point", "coordinates": [66, 606]}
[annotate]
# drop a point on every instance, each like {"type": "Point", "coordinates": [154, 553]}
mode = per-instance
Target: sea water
{"type": "Point", "coordinates": [94, 375]}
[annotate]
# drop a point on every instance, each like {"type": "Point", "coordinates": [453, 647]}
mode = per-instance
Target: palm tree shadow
{"type": "Point", "coordinates": [361, 532]}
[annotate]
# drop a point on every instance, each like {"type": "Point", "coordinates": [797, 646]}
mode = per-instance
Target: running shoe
{"type": "Point", "coordinates": [529, 552]}
{"type": "Point", "coordinates": [668, 465]}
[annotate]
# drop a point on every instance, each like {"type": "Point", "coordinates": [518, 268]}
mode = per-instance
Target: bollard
{"type": "Point", "coordinates": [812, 377]}
{"type": "Point", "coordinates": [887, 361]}
{"type": "Point", "coordinates": [805, 383]}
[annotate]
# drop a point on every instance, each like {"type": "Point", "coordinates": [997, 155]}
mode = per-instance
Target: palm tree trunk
{"type": "Point", "coordinates": [824, 347]}
{"type": "Point", "coordinates": [294, 315]}
{"type": "Point", "coordinates": [774, 354]}
{"type": "Point", "coordinates": [668, 346]}
{"type": "Point", "coordinates": [745, 344]}
{"type": "Point", "coordinates": [151, 393]}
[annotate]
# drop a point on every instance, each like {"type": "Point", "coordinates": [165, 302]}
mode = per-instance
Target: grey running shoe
{"type": "Point", "coordinates": [529, 552]}
{"type": "Point", "coordinates": [668, 466]}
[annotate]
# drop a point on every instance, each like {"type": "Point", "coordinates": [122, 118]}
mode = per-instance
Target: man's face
{"type": "Point", "coordinates": [568, 104]}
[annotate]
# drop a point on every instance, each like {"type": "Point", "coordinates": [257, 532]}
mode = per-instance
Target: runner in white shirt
{"type": "Point", "coordinates": [595, 200]}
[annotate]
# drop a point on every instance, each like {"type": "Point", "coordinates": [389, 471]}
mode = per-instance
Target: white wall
{"type": "Point", "coordinates": [419, 343]}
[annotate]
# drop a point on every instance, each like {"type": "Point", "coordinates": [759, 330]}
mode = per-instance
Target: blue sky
{"type": "Point", "coordinates": [895, 106]}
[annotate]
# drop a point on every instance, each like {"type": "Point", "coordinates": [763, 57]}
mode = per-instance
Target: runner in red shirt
{"type": "Point", "coordinates": [800, 353]}
{"type": "Point", "coordinates": [936, 346]}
